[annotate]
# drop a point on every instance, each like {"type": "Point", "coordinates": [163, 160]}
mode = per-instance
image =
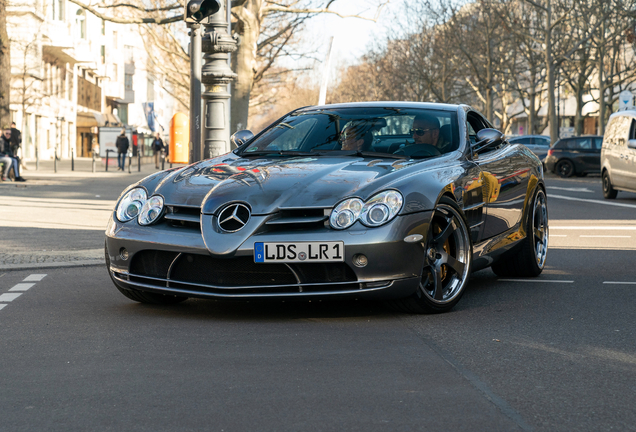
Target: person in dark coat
{"type": "Point", "coordinates": [122, 145]}
{"type": "Point", "coordinates": [7, 156]}
{"type": "Point", "coordinates": [16, 139]}
{"type": "Point", "coordinates": [157, 148]}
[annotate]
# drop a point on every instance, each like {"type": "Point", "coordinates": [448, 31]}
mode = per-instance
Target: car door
{"type": "Point", "coordinates": [586, 157]}
{"type": "Point", "coordinates": [505, 176]}
{"type": "Point", "coordinates": [618, 134]}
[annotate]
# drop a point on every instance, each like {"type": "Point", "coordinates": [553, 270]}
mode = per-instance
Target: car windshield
{"type": "Point", "coordinates": [372, 131]}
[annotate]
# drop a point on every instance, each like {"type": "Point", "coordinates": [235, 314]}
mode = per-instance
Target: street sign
{"type": "Point", "coordinates": [625, 100]}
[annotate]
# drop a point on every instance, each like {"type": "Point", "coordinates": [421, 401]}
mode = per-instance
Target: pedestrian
{"type": "Point", "coordinates": [7, 156]}
{"type": "Point", "coordinates": [157, 148]}
{"type": "Point", "coordinates": [16, 145]}
{"type": "Point", "coordinates": [122, 144]}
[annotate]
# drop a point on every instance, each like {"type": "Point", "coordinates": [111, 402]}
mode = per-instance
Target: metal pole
{"type": "Point", "coordinates": [217, 75]}
{"type": "Point", "coordinates": [195, 92]}
{"type": "Point", "coordinates": [93, 160]}
{"type": "Point", "coordinates": [129, 163]}
{"type": "Point", "coordinates": [138, 159]}
{"type": "Point", "coordinates": [72, 160]}
{"type": "Point", "coordinates": [107, 156]}
{"type": "Point", "coordinates": [55, 160]}
{"type": "Point", "coordinates": [37, 158]}
{"type": "Point", "coordinates": [163, 160]}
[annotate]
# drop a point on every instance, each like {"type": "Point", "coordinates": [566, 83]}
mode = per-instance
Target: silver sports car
{"type": "Point", "coordinates": [387, 200]}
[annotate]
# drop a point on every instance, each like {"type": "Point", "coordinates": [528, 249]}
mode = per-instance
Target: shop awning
{"type": "Point", "coordinates": [85, 119]}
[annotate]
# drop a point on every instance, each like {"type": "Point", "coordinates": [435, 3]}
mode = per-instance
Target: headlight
{"type": "Point", "coordinates": [346, 213]}
{"type": "Point", "coordinates": [131, 204]}
{"type": "Point", "coordinates": [381, 208]}
{"type": "Point", "coordinates": [151, 210]}
{"type": "Point", "coordinates": [378, 210]}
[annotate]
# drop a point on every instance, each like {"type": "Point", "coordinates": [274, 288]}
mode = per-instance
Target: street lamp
{"type": "Point", "coordinates": [196, 11]}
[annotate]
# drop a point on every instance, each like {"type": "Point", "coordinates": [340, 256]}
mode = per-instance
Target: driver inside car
{"type": "Point", "coordinates": [426, 138]}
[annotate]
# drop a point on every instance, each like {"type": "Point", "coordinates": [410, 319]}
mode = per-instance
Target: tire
{"type": "Point", "coordinates": [528, 260]}
{"type": "Point", "coordinates": [564, 168]}
{"type": "Point", "coordinates": [447, 264]}
{"type": "Point", "coordinates": [142, 296]}
{"type": "Point", "coordinates": [608, 190]}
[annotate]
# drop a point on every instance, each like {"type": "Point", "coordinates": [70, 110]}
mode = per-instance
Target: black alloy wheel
{"type": "Point", "coordinates": [608, 190]}
{"type": "Point", "coordinates": [529, 258]}
{"type": "Point", "coordinates": [565, 168]}
{"type": "Point", "coordinates": [447, 262]}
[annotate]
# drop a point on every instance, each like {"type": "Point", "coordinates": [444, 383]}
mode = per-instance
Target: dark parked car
{"type": "Point", "coordinates": [395, 201]}
{"type": "Point", "coordinates": [539, 144]}
{"type": "Point", "coordinates": [618, 155]}
{"type": "Point", "coordinates": [575, 156]}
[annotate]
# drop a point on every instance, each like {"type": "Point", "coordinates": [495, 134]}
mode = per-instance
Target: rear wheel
{"type": "Point", "coordinates": [529, 258]}
{"type": "Point", "coordinates": [608, 190]}
{"type": "Point", "coordinates": [564, 168]}
{"type": "Point", "coordinates": [142, 296]}
{"type": "Point", "coordinates": [446, 267]}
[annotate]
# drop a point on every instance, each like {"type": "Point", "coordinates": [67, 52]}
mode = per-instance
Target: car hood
{"type": "Point", "coordinates": [268, 184]}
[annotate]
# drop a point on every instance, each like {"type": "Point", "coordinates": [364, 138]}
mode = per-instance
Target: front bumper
{"type": "Point", "coordinates": [171, 260]}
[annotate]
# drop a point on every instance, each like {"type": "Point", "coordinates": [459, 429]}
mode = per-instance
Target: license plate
{"type": "Point", "coordinates": [299, 252]}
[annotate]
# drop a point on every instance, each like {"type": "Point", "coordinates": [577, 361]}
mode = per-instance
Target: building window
{"type": "Point", "coordinates": [103, 54]}
{"type": "Point", "coordinates": [103, 26]}
{"type": "Point", "coordinates": [150, 89]}
{"type": "Point", "coordinates": [60, 10]}
{"type": "Point", "coordinates": [122, 113]}
{"type": "Point", "coordinates": [128, 54]}
{"type": "Point", "coordinates": [80, 21]}
{"type": "Point", "coordinates": [115, 40]}
{"type": "Point", "coordinates": [114, 75]}
{"type": "Point", "coordinates": [128, 81]}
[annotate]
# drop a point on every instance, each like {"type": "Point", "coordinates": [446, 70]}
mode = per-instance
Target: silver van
{"type": "Point", "coordinates": [618, 154]}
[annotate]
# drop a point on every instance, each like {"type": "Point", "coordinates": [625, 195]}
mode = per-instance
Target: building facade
{"type": "Point", "coordinates": [72, 73]}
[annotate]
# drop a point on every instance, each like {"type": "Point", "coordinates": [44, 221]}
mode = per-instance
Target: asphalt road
{"type": "Point", "coordinates": [556, 353]}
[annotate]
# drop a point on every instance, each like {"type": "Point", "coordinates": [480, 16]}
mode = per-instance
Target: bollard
{"type": "Point", "coordinates": [93, 160]}
{"type": "Point", "coordinates": [72, 160]}
{"type": "Point", "coordinates": [129, 162]}
{"type": "Point", "coordinates": [163, 160]}
{"type": "Point", "coordinates": [138, 161]}
{"type": "Point", "coordinates": [37, 159]}
{"type": "Point", "coordinates": [107, 156]}
{"type": "Point", "coordinates": [55, 161]}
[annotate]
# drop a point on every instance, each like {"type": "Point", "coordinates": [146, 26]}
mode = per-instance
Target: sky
{"type": "Point", "coordinates": [352, 36]}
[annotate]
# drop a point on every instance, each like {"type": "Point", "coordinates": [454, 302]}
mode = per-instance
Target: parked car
{"type": "Point", "coordinates": [384, 200]}
{"type": "Point", "coordinates": [575, 156]}
{"type": "Point", "coordinates": [538, 144]}
{"type": "Point", "coordinates": [618, 155]}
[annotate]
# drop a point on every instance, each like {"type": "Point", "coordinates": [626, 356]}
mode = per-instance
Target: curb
{"type": "Point", "coordinates": [35, 266]}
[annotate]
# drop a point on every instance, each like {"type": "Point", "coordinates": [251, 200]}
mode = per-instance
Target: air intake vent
{"type": "Point", "coordinates": [182, 216]}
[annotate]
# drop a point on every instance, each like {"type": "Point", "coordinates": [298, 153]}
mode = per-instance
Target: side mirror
{"type": "Point", "coordinates": [241, 137]}
{"type": "Point", "coordinates": [631, 143]}
{"type": "Point", "coordinates": [487, 139]}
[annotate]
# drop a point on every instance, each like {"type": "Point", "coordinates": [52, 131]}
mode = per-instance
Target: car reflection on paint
{"type": "Point", "coordinates": [393, 201]}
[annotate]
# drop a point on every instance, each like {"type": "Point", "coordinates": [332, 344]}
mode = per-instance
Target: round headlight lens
{"type": "Point", "coordinates": [346, 213]}
{"type": "Point", "coordinates": [151, 210]}
{"type": "Point", "coordinates": [131, 204]}
{"type": "Point", "coordinates": [381, 208]}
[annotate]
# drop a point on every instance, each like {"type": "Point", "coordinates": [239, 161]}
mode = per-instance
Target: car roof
{"type": "Point", "coordinates": [390, 104]}
{"type": "Point", "coordinates": [529, 136]}
{"type": "Point", "coordinates": [625, 113]}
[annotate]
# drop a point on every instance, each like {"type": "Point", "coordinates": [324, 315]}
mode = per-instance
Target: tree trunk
{"type": "Point", "coordinates": [601, 82]}
{"type": "Point", "coordinates": [243, 63]}
{"type": "Point", "coordinates": [549, 64]}
{"type": "Point", "coordinates": [5, 67]}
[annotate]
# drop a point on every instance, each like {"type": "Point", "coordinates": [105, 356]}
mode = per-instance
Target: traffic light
{"type": "Point", "coordinates": [197, 10]}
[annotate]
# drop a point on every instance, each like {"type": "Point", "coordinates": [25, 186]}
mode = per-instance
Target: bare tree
{"type": "Point", "coordinates": [5, 67]}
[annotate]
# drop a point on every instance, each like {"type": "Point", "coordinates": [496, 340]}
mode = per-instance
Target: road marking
{"type": "Point", "coordinates": [34, 278]}
{"type": "Point", "coordinates": [605, 236]}
{"type": "Point", "coordinates": [571, 189]}
{"type": "Point", "coordinates": [619, 283]}
{"type": "Point", "coordinates": [2, 306]}
{"type": "Point", "coordinates": [9, 297]}
{"type": "Point", "coordinates": [557, 235]}
{"type": "Point", "coordinates": [609, 203]}
{"type": "Point", "coordinates": [536, 280]}
{"type": "Point", "coordinates": [596, 228]}
{"type": "Point", "coordinates": [22, 287]}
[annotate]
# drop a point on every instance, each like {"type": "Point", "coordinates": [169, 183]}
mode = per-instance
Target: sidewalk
{"type": "Point", "coordinates": [58, 219]}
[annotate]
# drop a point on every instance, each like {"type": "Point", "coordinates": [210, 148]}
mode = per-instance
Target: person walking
{"type": "Point", "coordinates": [157, 148]}
{"type": "Point", "coordinates": [16, 144]}
{"type": "Point", "coordinates": [7, 157]}
{"type": "Point", "coordinates": [122, 145]}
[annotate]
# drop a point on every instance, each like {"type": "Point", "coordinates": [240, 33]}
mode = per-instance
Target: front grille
{"type": "Point", "coordinates": [184, 217]}
{"type": "Point", "coordinates": [187, 271]}
{"type": "Point", "coordinates": [297, 219]}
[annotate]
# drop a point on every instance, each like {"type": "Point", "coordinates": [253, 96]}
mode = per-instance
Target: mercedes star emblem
{"type": "Point", "coordinates": [234, 217]}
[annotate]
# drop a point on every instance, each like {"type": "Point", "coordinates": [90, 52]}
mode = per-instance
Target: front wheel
{"type": "Point", "coordinates": [564, 169]}
{"type": "Point", "coordinates": [529, 259]}
{"type": "Point", "coordinates": [447, 263]}
{"type": "Point", "coordinates": [608, 190]}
